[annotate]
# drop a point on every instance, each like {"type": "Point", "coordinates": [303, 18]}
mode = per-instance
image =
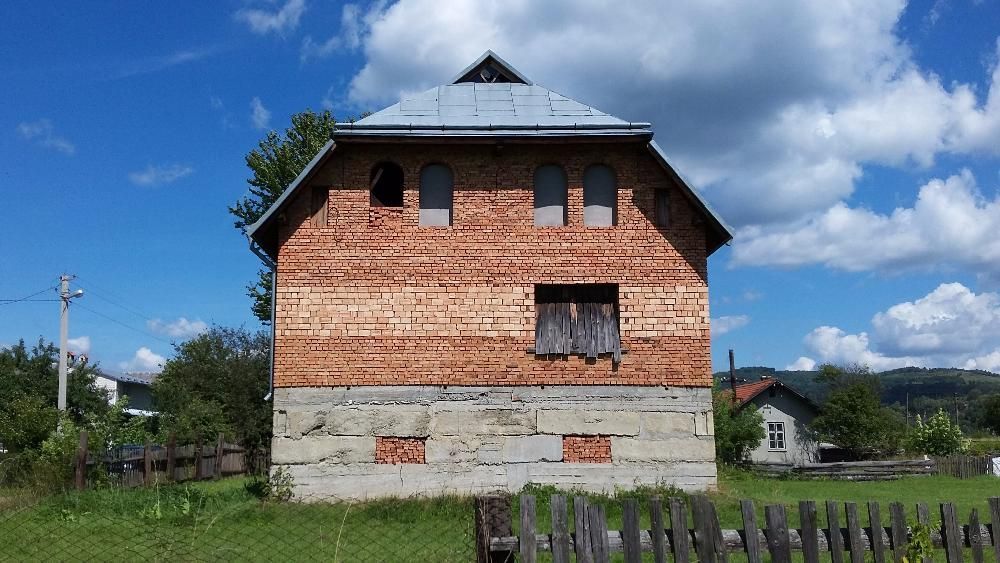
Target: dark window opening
{"type": "Point", "coordinates": [437, 187]}
{"type": "Point", "coordinates": [550, 193]}
{"type": "Point", "coordinates": [600, 196]}
{"type": "Point", "coordinates": [387, 185]}
{"type": "Point", "coordinates": [662, 204]}
{"type": "Point", "coordinates": [577, 319]}
{"type": "Point", "coordinates": [318, 207]}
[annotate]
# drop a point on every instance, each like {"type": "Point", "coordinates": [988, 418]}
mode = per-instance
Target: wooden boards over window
{"type": "Point", "coordinates": [577, 319]}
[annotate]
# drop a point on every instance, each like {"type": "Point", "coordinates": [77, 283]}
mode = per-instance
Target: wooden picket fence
{"type": "Point", "coordinates": [132, 466]}
{"type": "Point", "coordinates": [964, 466]}
{"type": "Point", "coordinates": [592, 542]}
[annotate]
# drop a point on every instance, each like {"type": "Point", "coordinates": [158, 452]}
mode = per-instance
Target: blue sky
{"type": "Point", "coordinates": [854, 148]}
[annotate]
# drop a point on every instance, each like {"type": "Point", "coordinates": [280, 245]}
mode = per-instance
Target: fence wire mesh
{"type": "Point", "coordinates": [227, 521]}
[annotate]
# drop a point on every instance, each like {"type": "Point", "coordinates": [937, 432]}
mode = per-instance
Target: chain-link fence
{"type": "Point", "coordinates": [227, 520]}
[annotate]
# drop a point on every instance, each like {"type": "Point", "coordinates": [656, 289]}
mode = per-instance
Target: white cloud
{"type": "Point", "coordinates": [156, 63]}
{"type": "Point", "coordinates": [263, 22]}
{"type": "Point", "coordinates": [801, 364]}
{"type": "Point", "coordinates": [772, 108]}
{"type": "Point", "coordinates": [159, 175]}
{"type": "Point", "coordinates": [144, 360]}
{"type": "Point", "coordinates": [79, 345]}
{"type": "Point", "coordinates": [951, 224]}
{"type": "Point", "coordinates": [260, 117]}
{"type": "Point", "coordinates": [354, 24]}
{"type": "Point", "coordinates": [42, 133]}
{"type": "Point", "coordinates": [180, 328]}
{"type": "Point", "coordinates": [949, 327]}
{"type": "Point", "coordinates": [724, 324]}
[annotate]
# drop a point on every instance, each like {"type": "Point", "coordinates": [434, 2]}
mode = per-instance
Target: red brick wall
{"type": "Point", "coordinates": [399, 450]}
{"type": "Point", "coordinates": [373, 298]}
{"type": "Point", "coordinates": [586, 449]}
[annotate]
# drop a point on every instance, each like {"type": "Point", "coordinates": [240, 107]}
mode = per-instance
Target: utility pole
{"type": "Point", "coordinates": [64, 297]}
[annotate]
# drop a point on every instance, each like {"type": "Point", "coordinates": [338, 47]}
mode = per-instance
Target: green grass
{"type": "Point", "coordinates": [222, 521]}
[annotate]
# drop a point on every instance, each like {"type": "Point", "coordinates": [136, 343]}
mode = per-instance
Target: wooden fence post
{"type": "Point", "coordinates": [493, 519]}
{"type": "Point", "coordinates": [875, 521]}
{"type": "Point", "coordinates": [147, 464]}
{"type": "Point", "coordinates": [528, 547]}
{"type": "Point", "coordinates": [560, 529]}
{"type": "Point", "coordinates": [951, 533]}
{"type": "Point", "coordinates": [899, 535]}
{"type": "Point", "coordinates": [81, 462]}
{"type": "Point", "coordinates": [219, 451]}
{"type": "Point", "coordinates": [975, 537]}
{"type": "Point", "coordinates": [197, 460]}
{"type": "Point", "coordinates": [680, 541]}
{"type": "Point", "coordinates": [924, 517]}
{"type": "Point", "coordinates": [631, 536]}
{"type": "Point", "coordinates": [995, 524]}
{"type": "Point", "coordinates": [809, 535]}
{"type": "Point", "coordinates": [599, 533]}
{"type": "Point", "coordinates": [657, 531]}
{"type": "Point", "coordinates": [171, 456]}
{"type": "Point", "coordinates": [836, 537]}
{"type": "Point", "coordinates": [584, 551]}
{"type": "Point", "coordinates": [777, 533]}
{"type": "Point", "coordinates": [854, 532]}
{"type": "Point", "coordinates": [751, 541]}
{"type": "Point", "coordinates": [704, 535]}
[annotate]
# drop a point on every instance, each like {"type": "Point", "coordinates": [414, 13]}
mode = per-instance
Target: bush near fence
{"type": "Point", "coordinates": [669, 537]}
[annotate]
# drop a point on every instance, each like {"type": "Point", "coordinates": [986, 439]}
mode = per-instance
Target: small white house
{"type": "Point", "coordinates": [787, 414]}
{"type": "Point", "coordinates": [137, 386]}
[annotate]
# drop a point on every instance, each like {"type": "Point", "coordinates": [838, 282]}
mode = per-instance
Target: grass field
{"type": "Point", "coordinates": [222, 521]}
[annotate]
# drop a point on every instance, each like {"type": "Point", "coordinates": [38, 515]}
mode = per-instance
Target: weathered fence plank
{"type": "Point", "coordinates": [220, 450]}
{"type": "Point", "coordinates": [810, 533]}
{"type": "Point", "coordinates": [975, 537]}
{"type": "Point", "coordinates": [777, 534]}
{"type": "Point", "coordinates": [680, 541]}
{"type": "Point", "coordinates": [704, 538]}
{"type": "Point", "coordinates": [492, 519]}
{"type": "Point", "coordinates": [854, 533]}
{"type": "Point", "coordinates": [875, 521]}
{"type": "Point", "coordinates": [899, 535]}
{"type": "Point", "coordinates": [924, 518]}
{"type": "Point", "coordinates": [528, 547]}
{"type": "Point", "coordinates": [657, 531]}
{"type": "Point", "coordinates": [631, 532]}
{"type": "Point", "coordinates": [171, 457]}
{"type": "Point", "coordinates": [751, 540]}
{"type": "Point", "coordinates": [560, 529]}
{"type": "Point", "coordinates": [835, 538]}
{"type": "Point", "coordinates": [951, 532]}
{"type": "Point", "coordinates": [599, 534]}
{"type": "Point", "coordinates": [995, 525]}
{"type": "Point", "coordinates": [584, 549]}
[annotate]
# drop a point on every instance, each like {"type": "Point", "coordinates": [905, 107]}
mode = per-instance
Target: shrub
{"type": "Point", "coordinates": [937, 436]}
{"type": "Point", "coordinates": [737, 432]}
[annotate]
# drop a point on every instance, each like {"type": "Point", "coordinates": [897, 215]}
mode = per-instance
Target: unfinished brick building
{"type": "Point", "coordinates": [485, 285]}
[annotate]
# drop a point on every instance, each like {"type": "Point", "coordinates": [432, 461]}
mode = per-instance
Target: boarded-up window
{"type": "Point", "coordinates": [436, 192]}
{"type": "Point", "coordinates": [550, 196]}
{"type": "Point", "coordinates": [600, 196]}
{"type": "Point", "coordinates": [662, 204]}
{"type": "Point", "coordinates": [577, 319]}
{"type": "Point", "coordinates": [318, 208]}
{"type": "Point", "coordinates": [386, 185]}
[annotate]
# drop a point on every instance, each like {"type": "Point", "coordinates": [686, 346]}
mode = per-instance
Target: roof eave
{"type": "Point", "coordinates": [257, 230]}
{"type": "Point", "coordinates": [723, 233]}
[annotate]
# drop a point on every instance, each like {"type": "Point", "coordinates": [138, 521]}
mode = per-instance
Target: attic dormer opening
{"type": "Point", "coordinates": [491, 69]}
{"type": "Point", "coordinates": [386, 185]}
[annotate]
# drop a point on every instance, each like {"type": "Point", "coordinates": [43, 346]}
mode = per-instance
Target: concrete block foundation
{"type": "Point", "coordinates": [488, 439]}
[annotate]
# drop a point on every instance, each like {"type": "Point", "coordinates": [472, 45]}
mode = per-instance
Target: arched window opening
{"type": "Point", "coordinates": [386, 185]}
{"type": "Point", "coordinates": [550, 196]}
{"type": "Point", "coordinates": [600, 196]}
{"type": "Point", "coordinates": [436, 194]}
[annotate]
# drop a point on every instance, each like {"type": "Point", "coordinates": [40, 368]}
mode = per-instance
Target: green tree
{"type": "Point", "coordinates": [853, 417]}
{"type": "Point", "coordinates": [217, 383]}
{"type": "Point", "coordinates": [737, 431]}
{"type": "Point", "coordinates": [938, 436]}
{"type": "Point", "coordinates": [988, 413]}
{"type": "Point", "coordinates": [274, 164]}
{"type": "Point", "coordinates": [29, 385]}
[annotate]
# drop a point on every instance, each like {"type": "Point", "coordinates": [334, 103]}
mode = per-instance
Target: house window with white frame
{"type": "Point", "coordinates": [776, 436]}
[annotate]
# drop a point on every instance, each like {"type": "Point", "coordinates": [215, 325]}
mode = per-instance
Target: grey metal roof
{"type": "Point", "coordinates": [140, 377]}
{"type": "Point", "coordinates": [467, 108]}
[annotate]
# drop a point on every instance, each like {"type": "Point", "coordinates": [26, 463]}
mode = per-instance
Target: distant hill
{"type": "Point", "coordinates": [926, 388]}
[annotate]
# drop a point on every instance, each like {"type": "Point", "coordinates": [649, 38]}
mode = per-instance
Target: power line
{"type": "Point", "coordinates": [120, 323]}
{"type": "Point", "coordinates": [90, 287]}
{"type": "Point", "coordinates": [28, 297]}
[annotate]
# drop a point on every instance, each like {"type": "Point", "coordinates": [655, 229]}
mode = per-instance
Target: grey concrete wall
{"type": "Point", "coordinates": [483, 439]}
{"type": "Point", "coordinates": [800, 444]}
